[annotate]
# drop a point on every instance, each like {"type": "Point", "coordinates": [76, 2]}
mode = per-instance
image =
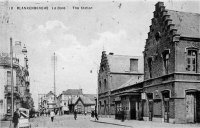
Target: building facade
{"type": "Point", "coordinates": [171, 67]}
{"type": "Point", "coordinates": [22, 96]}
{"type": "Point", "coordinates": [67, 100]}
{"type": "Point", "coordinates": [115, 70]}
{"type": "Point", "coordinates": [85, 104]}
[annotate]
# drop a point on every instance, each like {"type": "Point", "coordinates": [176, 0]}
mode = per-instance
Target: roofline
{"type": "Point", "coordinates": [182, 11]}
{"type": "Point", "coordinates": [128, 87]}
{"type": "Point", "coordinates": [127, 73]}
{"type": "Point", "coordinates": [190, 38]}
{"type": "Point", "coordinates": [125, 55]}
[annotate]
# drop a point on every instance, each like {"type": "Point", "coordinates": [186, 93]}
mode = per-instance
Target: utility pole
{"type": "Point", "coordinates": [12, 86]}
{"type": "Point", "coordinates": [54, 73]}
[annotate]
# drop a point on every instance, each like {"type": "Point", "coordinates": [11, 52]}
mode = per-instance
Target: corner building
{"type": "Point", "coordinates": [172, 67]}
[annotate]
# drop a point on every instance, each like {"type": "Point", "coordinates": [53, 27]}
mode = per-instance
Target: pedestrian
{"type": "Point", "coordinates": [75, 114]}
{"type": "Point", "coordinates": [52, 114]}
{"type": "Point", "coordinates": [92, 114]}
{"type": "Point", "coordinates": [16, 117]}
{"type": "Point", "coordinates": [96, 115]}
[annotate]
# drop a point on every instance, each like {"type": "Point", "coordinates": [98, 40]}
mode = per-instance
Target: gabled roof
{"type": "Point", "coordinates": [85, 100]}
{"type": "Point", "coordinates": [50, 93]}
{"type": "Point", "coordinates": [73, 92]}
{"type": "Point", "coordinates": [187, 24]}
{"type": "Point", "coordinates": [121, 63]}
{"type": "Point", "coordinates": [91, 96]}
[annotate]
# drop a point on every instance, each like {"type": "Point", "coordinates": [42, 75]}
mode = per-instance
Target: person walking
{"type": "Point", "coordinates": [75, 114]}
{"type": "Point", "coordinates": [96, 115]}
{"type": "Point", "coordinates": [52, 114]}
{"type": "Point", "coordinates": [16, 117]}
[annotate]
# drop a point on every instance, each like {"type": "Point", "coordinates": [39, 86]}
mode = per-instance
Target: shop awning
{"type": "Point", "coordinates": [129, 93]}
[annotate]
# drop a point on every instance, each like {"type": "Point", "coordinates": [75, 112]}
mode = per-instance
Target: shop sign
{"type": "Point", "coordinates": [143, 96]}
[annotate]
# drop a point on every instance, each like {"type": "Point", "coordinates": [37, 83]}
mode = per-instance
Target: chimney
{"type": "Point", "coordinates": [111, 53]}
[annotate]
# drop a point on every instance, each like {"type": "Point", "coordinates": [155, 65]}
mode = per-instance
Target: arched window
{"type": "Point", "coordinates": [166, 55]}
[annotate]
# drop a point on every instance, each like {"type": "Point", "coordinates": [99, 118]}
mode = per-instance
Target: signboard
{"type": "Point", "coordinates": [143, 96]}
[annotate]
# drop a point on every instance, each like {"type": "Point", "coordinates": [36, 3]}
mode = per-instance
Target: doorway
{"type": "Point", "coordinates": [133, 109]}
{"type": "Point", "coordinates": [192, 106]}
{"type": "Point", "coordinates": [166, 97]}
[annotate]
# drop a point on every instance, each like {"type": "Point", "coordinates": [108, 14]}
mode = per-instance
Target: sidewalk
{"type": "Point", "coordinates": [4, 124]}
{"type": "Point", "coordinates": [145, 124]}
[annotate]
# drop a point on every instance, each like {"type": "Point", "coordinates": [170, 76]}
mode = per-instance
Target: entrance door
{"type": "Point", "coordinates": [133, 110]}
{"type": "Point", "coordinates": [198, 107]}
{"type": "Point", "coordinates": [166, 110]}
{"type": "Point", "coordinates": [150, 110]}
{"type": "Point", "coordinates": [190, 108]}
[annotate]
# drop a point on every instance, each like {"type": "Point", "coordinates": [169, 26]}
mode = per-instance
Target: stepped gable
{"type": "Point", "coordinates": [176, 24]}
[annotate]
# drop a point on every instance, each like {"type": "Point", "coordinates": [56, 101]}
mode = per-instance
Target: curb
{"type": "Point", "coordinates": [112, 123]}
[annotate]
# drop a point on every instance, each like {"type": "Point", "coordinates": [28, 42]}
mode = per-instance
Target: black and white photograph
{"type": "Point", "coordinates": [99, 64]}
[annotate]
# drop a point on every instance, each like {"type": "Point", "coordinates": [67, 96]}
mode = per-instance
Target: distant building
{"type": "Point", "coordinates": [115, 70]}
{"type": "Point", "coordinates": [50, 99]}
{"type": "Point", "coordinates": [67, 100]}
{"type": "Point", "coordinates": [172, 67]}
{"type": "Point", "coordinates": [85, 103]}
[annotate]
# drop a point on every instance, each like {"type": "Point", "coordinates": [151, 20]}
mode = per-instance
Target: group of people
{"type": "Point", "coordinates": [16, 116]}
{"type": "Point", "coordinates": [93, 114]}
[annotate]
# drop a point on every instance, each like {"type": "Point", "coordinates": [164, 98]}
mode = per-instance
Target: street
{"type": "Point", "coordinates": [69, 122]}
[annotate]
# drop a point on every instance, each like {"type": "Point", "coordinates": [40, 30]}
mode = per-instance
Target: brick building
{"type": "Point", "coordinates": [171, 67]}
{"type": "Point", "coordinates": [115, 70]}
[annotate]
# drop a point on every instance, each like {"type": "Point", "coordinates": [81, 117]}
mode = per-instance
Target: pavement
{"type": "Point", "coordinates": [144, 124]}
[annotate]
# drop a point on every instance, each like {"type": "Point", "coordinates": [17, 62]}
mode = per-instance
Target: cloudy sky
{"type": "Point", "coordinates": [78, 36]}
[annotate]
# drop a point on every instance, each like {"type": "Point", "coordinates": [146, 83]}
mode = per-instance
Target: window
{"type": "Point", "coordinates": [99, 84]}
{"type": "Point", "coordinates": [165, 55]}
{"type": "Point", "coordinates": [105, 83]}
{"type": "Point", "coordinates": [8, 78]}
{"type": "Point", "coordinates": [150, 66]}
{"type": "Point", "coordinates": [133, 65]}
{"type": "Point", "coordinates": [191, 60]}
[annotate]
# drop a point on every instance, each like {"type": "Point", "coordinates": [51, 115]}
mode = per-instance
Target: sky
{"type": "Point", "coordinates": [78, 37]}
